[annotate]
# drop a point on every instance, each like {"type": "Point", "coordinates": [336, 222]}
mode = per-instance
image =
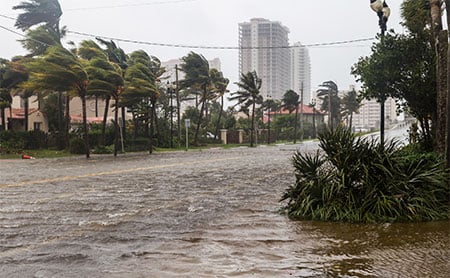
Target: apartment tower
{"type": "Point", "coordinates": [264, 48]}
{"type": "Point", "coordinates": [301, 72]}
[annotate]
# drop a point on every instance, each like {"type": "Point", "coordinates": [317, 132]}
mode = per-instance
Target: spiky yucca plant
{"type": "Point", "coordinates": [356, 179]}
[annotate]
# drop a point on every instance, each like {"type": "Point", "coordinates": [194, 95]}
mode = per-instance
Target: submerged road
{"type": "Point", "coordinates": [212, 213]}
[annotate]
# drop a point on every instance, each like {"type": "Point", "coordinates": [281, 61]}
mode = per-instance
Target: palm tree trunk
{"type": "Point", "coordinates": [26, 108]}
{"type": "Point", "coordinates": [252, 131]}
{"type": "Point", "coordinates": [441, 48]}
{"type": "Point", "coordinates": [216, 134]}
{"type": "Point", "coordinates": [116, 125]}
{"type": "Point", "coordinates": [123, 123]}
{"type": "Point", "coordinates": [447, 138]}
{"type": "Point", "coordinates": [96, 106]}
{"type": "Point", "coordinates": [105, 119]}
{"type": "Point", "coordinates": [295, 124]}
{"type": "Point", "coordinates": [3, 118]}
{"type": "Point", "coordinates": [150, 130]}
{"type": "Point", "coordinates": [85, 127]}
{"type": "Point", "coordinates": [197, 129]}
{"type": "Point", "coordinates": [156, 123]}
{"type": "Point", "coordinates": [67, 125]}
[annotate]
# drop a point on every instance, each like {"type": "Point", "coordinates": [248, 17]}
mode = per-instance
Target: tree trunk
{"type": "Point", "coordinates": [441, 124]}
{"type": "Point", "coordinates": [252, 131]}
{"type": "Point", "coordinates": [295, 124]}
{"type": "Point", "coordinates": [105, 119]}
{"type": "Point", "coordinates": [61, 130]}
{"type": "Point", "coordinates": [447, 133]}
{"type": "Point", "coordinates": [85, 127]}
{"type": "Point", "coordinates": [67, 118]}
{"type": "Point", "coordinates": [150, 134]}
{"type": "Point", "coordinates": [26, 108]}
{"type": "Point", "coordinates": [116, 125]}
{"type": "Point", "coordinates": [216, 134]}
{"type": "Point", "coordinates": [441, 48]}
{"type": "Point", "coordinates": [123, 123]}
{"type": "Point", "coordinates": [197, 129]}
{"type": "Point", "coordinates": [178, 106]}
{"type": "Point", "coordinates": [3, 118]}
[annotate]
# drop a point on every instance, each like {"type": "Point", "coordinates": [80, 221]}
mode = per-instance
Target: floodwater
{"type": "Point", "coordinates": [210, 213]}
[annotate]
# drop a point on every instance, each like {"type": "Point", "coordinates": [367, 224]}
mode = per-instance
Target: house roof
{"type": "Point", "coordinates": [90, 120]}
{"type": "Point", "coordinates": [19, 113]}
{"type": "Point", "coordinates": [307, 110]}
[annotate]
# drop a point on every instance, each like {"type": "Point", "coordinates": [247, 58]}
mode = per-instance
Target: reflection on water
{"type": "Point", "coordinates": [387, 250]}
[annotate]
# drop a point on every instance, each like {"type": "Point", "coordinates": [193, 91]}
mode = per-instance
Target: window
{"type": "Point", "coordinates": [37, 125]}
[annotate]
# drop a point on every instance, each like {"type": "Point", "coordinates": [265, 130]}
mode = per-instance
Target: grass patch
{"type": "Point", "coordinates": [45, 153]}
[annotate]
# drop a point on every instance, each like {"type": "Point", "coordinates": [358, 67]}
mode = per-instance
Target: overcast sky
{"type": "Point", "coordinates": [215, 23]}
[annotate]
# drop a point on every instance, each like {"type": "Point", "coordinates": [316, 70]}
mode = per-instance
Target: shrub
{"type": "Point", "coordinates": [359, 180]}
{"type": "Point", "coordinates": [77, 146]}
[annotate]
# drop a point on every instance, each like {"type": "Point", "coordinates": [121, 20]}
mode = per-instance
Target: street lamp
{"type": "Point", "coordinates": [170, 93]}
{"type": "Point", "coordinates": [313, 105]}
{"type": "Point", "coordinates": [383, 11]}
{"type": "Point", "coordinates": [269, 102]}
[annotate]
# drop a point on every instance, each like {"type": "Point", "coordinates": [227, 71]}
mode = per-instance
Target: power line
{"type": "Point", "coordinates": [22, 35]}
{"type": "Point", "coordinates": [218, 47]}
{"type": "Point", "coordinates": [324, 44]}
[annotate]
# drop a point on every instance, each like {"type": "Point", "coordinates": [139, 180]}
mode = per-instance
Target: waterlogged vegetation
{"type": "Point", "coordinates": [355, 179]}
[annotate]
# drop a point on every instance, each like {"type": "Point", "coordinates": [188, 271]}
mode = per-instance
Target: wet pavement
{"type": "Point", "coordinates": [210, 213]}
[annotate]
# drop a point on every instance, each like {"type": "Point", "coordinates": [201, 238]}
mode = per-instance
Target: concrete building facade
{"type": "Point", "coordinates": [264, 48]}
{"type": "Point", "coordinates": [301, 71]}
{"type": "Point", "coordinates": [368, 117]}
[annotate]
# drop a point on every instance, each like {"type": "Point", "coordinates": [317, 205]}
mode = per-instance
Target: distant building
{"type": "Point", "coordinates": [170, 75]}
{"type": "Point", "coordinates": [171, 65]}
{"type": "Point", "coordinates": [368, 117]}
{"type": "Point", "coordinates": [301, 71]}
{"type": "Point", "coordinates": [264, 48]}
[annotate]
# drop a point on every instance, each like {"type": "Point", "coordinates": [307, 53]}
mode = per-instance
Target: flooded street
{"type": "Point", "coordinates": [210, 213]}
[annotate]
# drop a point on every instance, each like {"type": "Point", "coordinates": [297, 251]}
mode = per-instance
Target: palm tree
{"type": "Point", "coordinates": [117, 56]}
{"type": "Point", "coordinates": [329, 94]}
{"type": "Point", "coordinates": [290, 102]}
{"type": "Point", "coordinates": [249, 95]}
{"type": "Point", "coordinates": [60, 70]}
{"type": "Point", "coordinates": [105, 78]}
{"type": "Point", "coordinates": [140, 88]}
{"type": "Point", "coordinates": [5, 95]}
{"type": "Point", "coordinates": [351, 104]}
{"type": "Point", "coordinates": [198, 79]}
{"type": "Point", "coordinates": [45, 14]}
{"type": "Point", "coordinates": [15, 74]}
{"type": "Point", "coordinates": [5, 102]}
{"type": "Point", "coordinates": [37, 12]}
{"type": "Point", "coordinates": [219, 84]}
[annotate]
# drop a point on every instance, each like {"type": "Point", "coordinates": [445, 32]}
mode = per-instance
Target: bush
{"type": "Point", "coordinates": [360, 180]}
{"type": "Point", "coordinates": [15, 141]}
{"type": "Point", "coordinates": [77, 146]}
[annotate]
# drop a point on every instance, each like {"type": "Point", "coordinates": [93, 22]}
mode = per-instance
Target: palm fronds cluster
{"type": "Point", "coordinates": [356, 179]}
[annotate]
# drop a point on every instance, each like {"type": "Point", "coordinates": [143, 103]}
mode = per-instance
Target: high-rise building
{"type": "Point", "coordinates": [301, 71]}
{"type": "Point", "coordinates": [264, 48]}
{"type": "Point", "coordinates": [369, 115]}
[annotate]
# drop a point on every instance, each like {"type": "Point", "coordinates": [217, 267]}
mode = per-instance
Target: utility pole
{"type": "Point", "coordinates": [301, 113]}
{"type": "Point", "coordinates": [177, 91]}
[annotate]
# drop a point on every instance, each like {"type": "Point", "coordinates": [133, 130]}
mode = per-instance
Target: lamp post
{"type": "Point", "coordinates": [170, 92]}
{"type": "Point", "coordinates": [383, 11]}
{"type": "Point", "coordinates": [313, 105]}
{"type": "Point", "coordinates": [269, 102]}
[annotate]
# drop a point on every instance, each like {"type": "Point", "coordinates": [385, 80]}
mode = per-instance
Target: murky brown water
{"type": "Point", "coordinates": [190, 214]}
